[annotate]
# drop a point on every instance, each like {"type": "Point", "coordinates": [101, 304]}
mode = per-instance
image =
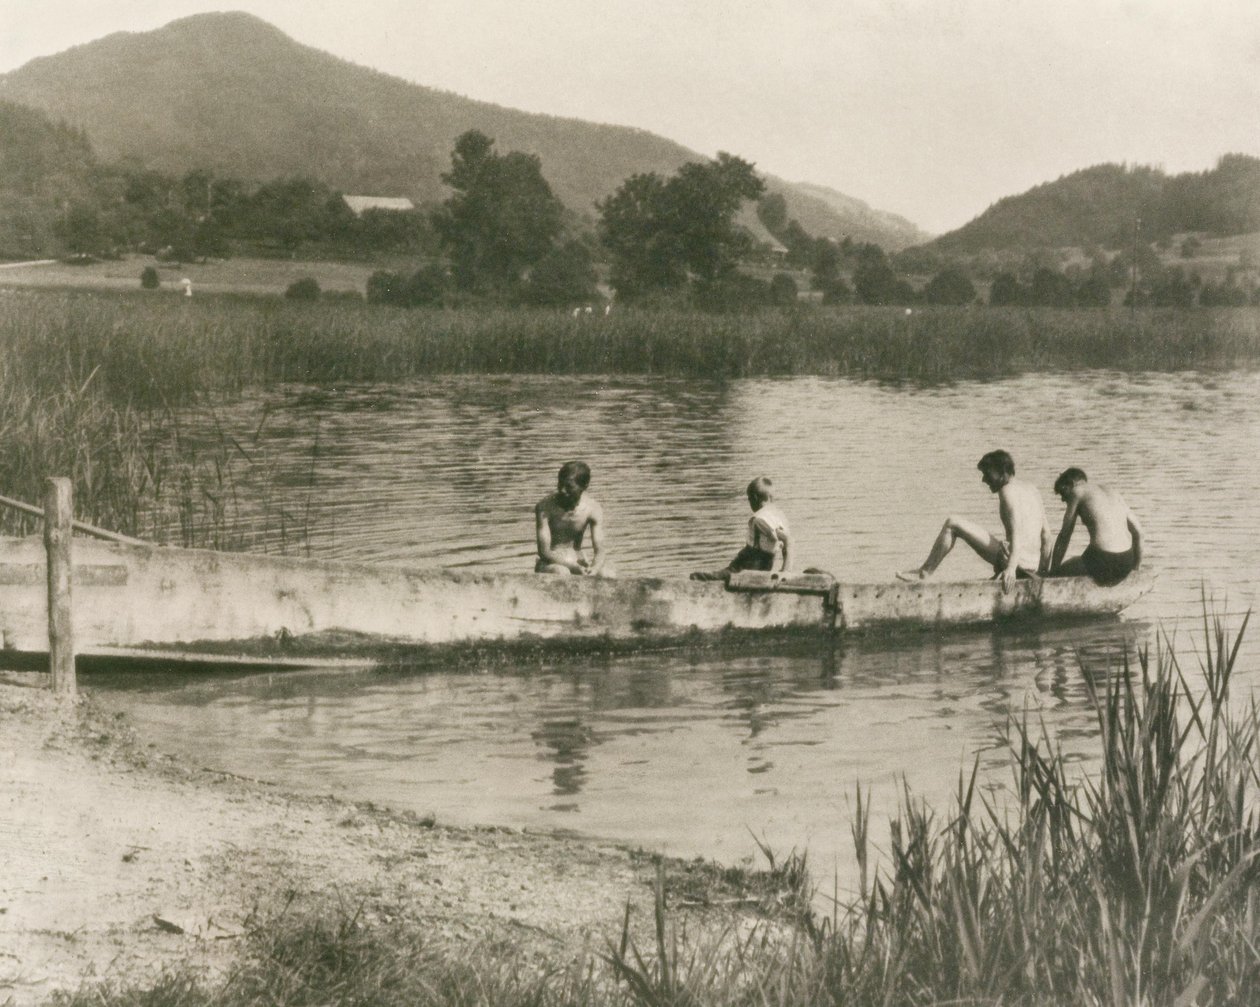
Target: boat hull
{"type": "Point", "coordinates": [140, 597]}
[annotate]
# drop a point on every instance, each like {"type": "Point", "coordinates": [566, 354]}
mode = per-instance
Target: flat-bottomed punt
{"type": "Point", "coordinates": [137, 600]}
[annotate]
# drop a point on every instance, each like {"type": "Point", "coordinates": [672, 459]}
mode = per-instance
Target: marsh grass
{"type": "Point", "coordinates": [1134, 883]}
{"type": "Point", "coordinates": [162, 350]}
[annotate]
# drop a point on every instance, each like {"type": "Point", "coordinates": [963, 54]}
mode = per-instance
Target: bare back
{"type": "Point", "coordinates": [1107, 517]}
{"type": "Point", "coordinates": [1024, 520]}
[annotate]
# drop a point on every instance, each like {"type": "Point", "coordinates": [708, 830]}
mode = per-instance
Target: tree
{"type": "Point", "coordinates": [664, 233]}
{"type": "Point", "coordinates": [502, 218]}
{"type": "Point", "coordinates": [772, 211]}
{"type": "Point", "coordinates": [782, 290]}
{"type": "Point", "coordinates": [1050, 289]}
{"type": "Point", "coordinates": [564, 276]}
{"type": "Point", "coordinates": [950, 286]}
{"type": "Point", "coordinates": [826, 263]}
{"type": "Point", "coordinates": [1006, 290]}
{"type": "Point", "coordinates": [641, 243]}
{"type": "Point", "coordinates": [875, 281]}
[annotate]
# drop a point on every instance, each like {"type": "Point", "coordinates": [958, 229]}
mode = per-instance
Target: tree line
{"type": "Point", "coordinates": [503, 235]}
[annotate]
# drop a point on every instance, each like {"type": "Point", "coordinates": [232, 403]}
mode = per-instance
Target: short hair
{"type": "Point", "coordinates": [1069, 477]}
{"type": "Point", "coordinates": [579, 472]}
{"type": "Point", "coordinates": [761, 489]}
{"type": "Point", "coordinates": [998, 461]}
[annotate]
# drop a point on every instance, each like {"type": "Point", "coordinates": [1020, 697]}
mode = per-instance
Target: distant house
{"type": "Point", "coordinates": [360, 204]}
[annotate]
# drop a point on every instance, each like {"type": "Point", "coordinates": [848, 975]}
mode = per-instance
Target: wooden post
{"type": "Point", "coordinates": [58, 535]}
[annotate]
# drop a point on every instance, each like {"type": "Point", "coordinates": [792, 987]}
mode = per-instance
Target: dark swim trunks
{"type": "Point", "coordinates": [1107, 568]}
{"type": "Point", "coordinates": [748, 558]}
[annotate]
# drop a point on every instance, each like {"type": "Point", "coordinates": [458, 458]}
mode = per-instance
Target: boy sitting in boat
{"type": "Point", "coordinates": [561, 521]}
{"type": "Point", "coordinates": [1115, 537]}
{"type": "Point", "coordinates": [768, 536]}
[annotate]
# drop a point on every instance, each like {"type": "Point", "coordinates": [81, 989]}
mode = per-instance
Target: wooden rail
{"type": "Point", "coordinates": [87, 529]}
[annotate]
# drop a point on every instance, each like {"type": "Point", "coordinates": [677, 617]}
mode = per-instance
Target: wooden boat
{"type": "Point", "coordinates": [133, 600]}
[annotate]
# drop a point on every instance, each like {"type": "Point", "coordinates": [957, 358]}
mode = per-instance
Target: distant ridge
{"type": "Point", "coordinates": [1098, 206]}
{"type": "Point", "coordinates": [231, 93]}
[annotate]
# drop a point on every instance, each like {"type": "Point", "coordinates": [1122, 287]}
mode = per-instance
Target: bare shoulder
{"type": "Point", "coordinates": [546, 505]}
{"type": "Point", "coordinates": [594, 511]}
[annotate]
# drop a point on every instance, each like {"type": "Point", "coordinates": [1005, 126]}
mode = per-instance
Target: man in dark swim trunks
{"type": "Point", "coordinates": [1115, 537]}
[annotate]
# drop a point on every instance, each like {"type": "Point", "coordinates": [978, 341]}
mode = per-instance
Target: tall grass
{"type": "Point", "coordinates": [164, 349]}
{"type": "Point", "coordinates": [1131, 884]}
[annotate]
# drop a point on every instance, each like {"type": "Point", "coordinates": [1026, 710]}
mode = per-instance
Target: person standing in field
{"type": "Point", "coordinates": [1115, 537]}
{"type": "Point", "coordinates": [769, 541]}
{"type": "Point", "coordinates": [1025, 549]}
{"type": "Point", "coordinates": [562, 520]}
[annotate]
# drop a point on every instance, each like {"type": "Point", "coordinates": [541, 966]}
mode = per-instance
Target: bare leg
{"type": "Point", "coordinates": [542, 566]}
{"type": "Point", "coordinates": [987, 546]}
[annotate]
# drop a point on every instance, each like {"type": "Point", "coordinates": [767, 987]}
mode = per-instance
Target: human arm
{"type": "Point", "coordinates": [1008, 512]}
{"type": "Point", "coordinates": [596, 525]}
{"type": "Point", "coordinates": [1047, 547]}
{"type": "Point", "coordinates": [1065, 536]}
{"type": "Point", "coordinates": [785, 539]}
{"type": "Point", "coordinates": [1135, 530]}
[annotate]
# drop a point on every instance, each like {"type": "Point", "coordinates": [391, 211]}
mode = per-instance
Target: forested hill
{"type": "Point", "coordinates": [231, 94]}
{"type": "Point", "coordinates": [1098, 206]}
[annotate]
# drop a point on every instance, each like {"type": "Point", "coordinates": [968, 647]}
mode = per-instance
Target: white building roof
{"type": "Point", "coordinates": [358, 204]}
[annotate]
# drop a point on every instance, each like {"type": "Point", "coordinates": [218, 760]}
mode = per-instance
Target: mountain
{"type": "Point", "coordinates": [812, 205]}
{"type": "Point", "coordinates": [1098, 206]}
{"type": "Point", "coordinates": [232, 94]}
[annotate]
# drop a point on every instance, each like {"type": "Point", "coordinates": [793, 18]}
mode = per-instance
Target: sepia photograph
{"type": "Point", "coordinates": [629, 503]}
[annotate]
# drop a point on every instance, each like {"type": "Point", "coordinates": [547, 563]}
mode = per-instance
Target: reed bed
{"type": "Point", "coordinates": [168, 349]}
{"type": "Point", "coordinates": [1132, 884]}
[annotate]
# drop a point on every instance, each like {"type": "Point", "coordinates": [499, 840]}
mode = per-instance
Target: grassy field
{"type": "Point", "coordinates": [1136, 884]}
{"type": "Point", "coordinates": [220, 276]}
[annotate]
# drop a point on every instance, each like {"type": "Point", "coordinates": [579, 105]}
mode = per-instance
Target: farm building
{"type": "Point", "coordinates": [360, 204]}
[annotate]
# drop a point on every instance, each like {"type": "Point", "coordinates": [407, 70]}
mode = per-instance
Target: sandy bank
{"type": "Point", "coordinates": [117, 861]}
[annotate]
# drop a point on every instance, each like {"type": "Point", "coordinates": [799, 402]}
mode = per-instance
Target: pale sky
{"type": "Point", "coordinates": [928, 108]}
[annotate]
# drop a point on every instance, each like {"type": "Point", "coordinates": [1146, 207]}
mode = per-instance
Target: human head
{"type": "Point", "coordinates": [1068, 479]}
{"type": "Point", "coordinates": [572, 480]}
{"type": "Point", "coordinates": [999, 462]}
{"type": "Point", "coordinates": [760, 491]}
{"type": "Point", "coordinates": [996, 469]}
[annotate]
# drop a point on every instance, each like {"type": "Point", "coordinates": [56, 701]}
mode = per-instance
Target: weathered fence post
{"type": "Point", "coordinates": [58, 535]}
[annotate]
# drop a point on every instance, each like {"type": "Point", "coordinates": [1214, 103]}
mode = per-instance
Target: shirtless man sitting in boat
{"type": "Point", "coordinates": [562, 519]}
{"type": "Point", "coordinates": [1115, 537]}
{"type": "Point", "coordinates": [1025, 550]}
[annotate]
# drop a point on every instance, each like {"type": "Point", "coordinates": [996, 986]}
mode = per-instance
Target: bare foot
{"type": "Point", "coordinates": [913, 576]}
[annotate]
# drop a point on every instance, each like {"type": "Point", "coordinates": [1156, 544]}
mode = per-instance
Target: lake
{"type": "Point", "coordinates": [696, 752]}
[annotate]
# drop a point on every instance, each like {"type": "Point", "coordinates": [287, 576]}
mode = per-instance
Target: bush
{"type": "Point", "coordinates": [305, 289]}
{"type": "Point", "coordinates": [782, 290]}
{"type": "Point", "coordinates": [425, 286]}
{"type": "Point", "coordinates": [950, 286]}
{"type": "Point", "coordinates": [149, 278]}
{"type": "Point", "coordinates": [736, 292]}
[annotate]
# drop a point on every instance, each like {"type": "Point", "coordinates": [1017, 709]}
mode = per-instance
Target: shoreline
{"type": "Point", "coordinates": [122, 862]}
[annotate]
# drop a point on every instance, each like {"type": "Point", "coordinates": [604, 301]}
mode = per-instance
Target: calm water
{"type": "Point", "coordinates": [693, 752]}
